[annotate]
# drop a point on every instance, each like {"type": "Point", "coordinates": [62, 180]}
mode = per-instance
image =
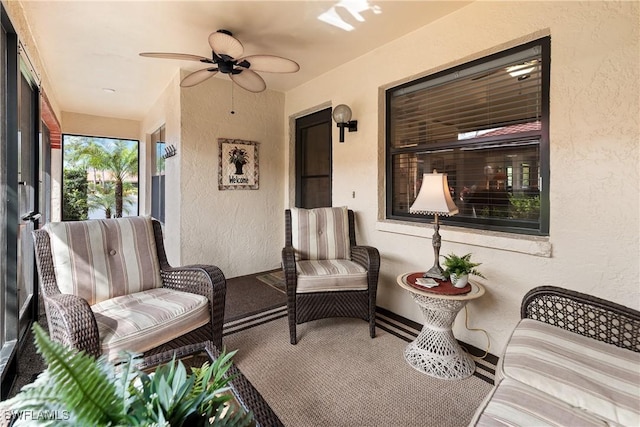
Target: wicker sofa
{"type": "Point", "coordinates": [572, 360]}
{"type": "Point", "coordinates": [107, 286]}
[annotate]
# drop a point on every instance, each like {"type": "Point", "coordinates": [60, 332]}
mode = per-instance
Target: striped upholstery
{"type": "Point", "coordinates": [330, 275]}
{"type": "Point", "coordinates": [584, 373]}
{"type": "Point", "coordinates": [321, 233]}
{"type": "Point", "coordinates": [143, 320]}
{"type": "Point", "coordinates": [515, 404]}
{"type": "Point", "coordinates": [102, 259]}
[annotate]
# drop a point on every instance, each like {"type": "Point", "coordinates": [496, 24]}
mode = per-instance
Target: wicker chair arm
{"type": "Point", "coordinates": [289, 267]}
{"type": "Point", "coordinates": [72, 323]}
{"type": "Point", "coordinates": [205, 280]}
{"type": "Point", "coordinates": [369, 258]}
{"type": "Point", "coordinates": [366, 256]}
{"type": "Point", "coordinates": [584, 314]}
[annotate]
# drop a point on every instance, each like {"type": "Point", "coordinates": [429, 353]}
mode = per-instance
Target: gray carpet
{"type": "Point", "coordinates": [337, 376]}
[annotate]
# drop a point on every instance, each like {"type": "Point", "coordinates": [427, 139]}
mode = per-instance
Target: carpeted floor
{"type": "Point", "coordinates": [275, 279]}
{"type": "Point", "coordinates": [337, 376]}
{"type": "Point", "coordinates": [250, 294]}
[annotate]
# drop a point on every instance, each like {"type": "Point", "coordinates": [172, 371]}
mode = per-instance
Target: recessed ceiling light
{"type": "Point", "coordinates": [108, 90]}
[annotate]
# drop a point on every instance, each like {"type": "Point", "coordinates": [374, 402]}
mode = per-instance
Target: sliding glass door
{"type": "Point", "coordinates": [28, 185]}
{"type": "Point", "coordinates": [19, 161]}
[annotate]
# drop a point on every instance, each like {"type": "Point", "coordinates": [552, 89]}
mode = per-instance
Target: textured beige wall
{"type": "Point", "coordinates": [86, 124]}
{"type": "Point", "coordinates": [594, 243]}
{"type": "Point", "coordinates": [240, 231]}
{"type": "Point", "coordinates": [165, 111]}
{"type": "Point", "coordinates": [21, 26]}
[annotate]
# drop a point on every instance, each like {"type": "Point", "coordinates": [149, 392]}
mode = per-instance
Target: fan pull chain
{"type": "Point", "coordinates": [232, 110]}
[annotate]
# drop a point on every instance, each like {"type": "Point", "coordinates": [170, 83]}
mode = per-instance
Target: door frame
{"type": "Point", "coordinates": [310, 119]}
{"type": "Point", "coordinates": [31, 313]}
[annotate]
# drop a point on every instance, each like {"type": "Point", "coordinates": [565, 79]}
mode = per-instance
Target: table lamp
{"type": "Point", "coordinates": [434, 199]}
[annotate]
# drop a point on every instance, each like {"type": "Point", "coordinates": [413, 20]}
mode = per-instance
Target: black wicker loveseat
{"type": "Point", "coordinates": [573, 360]}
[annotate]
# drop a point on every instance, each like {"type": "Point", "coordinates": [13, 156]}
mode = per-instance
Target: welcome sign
{"type": "Point", "coordinates": [237, 164]}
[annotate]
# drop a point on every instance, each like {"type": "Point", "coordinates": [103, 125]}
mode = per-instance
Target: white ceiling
{"type": "Point", "coordinates": [90, 45]}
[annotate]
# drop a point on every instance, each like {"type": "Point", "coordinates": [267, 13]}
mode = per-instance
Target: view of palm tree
{"type": "Point", "coordinates": [111, 170]}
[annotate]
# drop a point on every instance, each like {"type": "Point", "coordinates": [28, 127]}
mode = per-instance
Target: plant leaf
{"type": "Point", "coordinates": [75, 382]}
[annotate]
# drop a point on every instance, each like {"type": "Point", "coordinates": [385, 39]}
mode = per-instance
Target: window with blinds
{"type": "Point", "coordinates": [485, 124]}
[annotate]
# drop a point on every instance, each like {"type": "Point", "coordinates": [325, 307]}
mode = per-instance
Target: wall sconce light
{"type": "Point", "coordinates": [342, 116]}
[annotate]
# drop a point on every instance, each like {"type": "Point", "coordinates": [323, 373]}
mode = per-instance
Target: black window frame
{"type": "Point", "coordinates": [503, 225]}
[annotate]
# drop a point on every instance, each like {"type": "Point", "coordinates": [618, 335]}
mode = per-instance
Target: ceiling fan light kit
{"type": "Point", "coordinates": [226, 58]}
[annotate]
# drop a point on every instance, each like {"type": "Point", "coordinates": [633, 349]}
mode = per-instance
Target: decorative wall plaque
{"type": "Point", "coordinates": [237, 164]}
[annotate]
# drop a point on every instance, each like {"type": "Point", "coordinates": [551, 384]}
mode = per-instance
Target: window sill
{"type": "Point", "coordinates": [530, 245]}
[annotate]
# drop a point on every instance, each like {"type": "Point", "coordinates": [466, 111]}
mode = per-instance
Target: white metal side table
{"type": "Point", "coordinates": [435, 351]}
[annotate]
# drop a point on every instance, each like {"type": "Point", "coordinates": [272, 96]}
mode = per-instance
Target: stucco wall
{"type": "Point", "coordinates": [16, 16]}
{"type": "Point", "coordinates": [594, 243]}
{"type": "Point", "coordinates": [240, 231]}
{"type": "Point", "coordinates": [86, 124]}
{"type": "Point", "coordinates": [165, 111]}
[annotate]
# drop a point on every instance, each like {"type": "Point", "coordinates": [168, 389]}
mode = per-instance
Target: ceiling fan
{"type": "Point", "coordinates": [226, 52]}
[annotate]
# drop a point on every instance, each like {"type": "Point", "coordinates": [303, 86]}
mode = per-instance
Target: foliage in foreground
{"type": "Point", "coordinates": [78, 390]}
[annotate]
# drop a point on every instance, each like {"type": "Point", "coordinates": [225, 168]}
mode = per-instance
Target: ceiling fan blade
{"type": "Point", "coordinates": [269, 64]}
{"type": "Point", "coordinates": [198, 77]}
{"type": "Point", "coordinates": [183, 56]}
{"type": "Point", "coordinates": [249, 80]}
{"type": "Point", "coordinates": [225, 44]}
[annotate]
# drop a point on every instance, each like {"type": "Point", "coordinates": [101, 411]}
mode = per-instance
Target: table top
{"type": "Point", "coordinates": [244, 391]}
{"type": "Point", "coordinates": [477, 290]}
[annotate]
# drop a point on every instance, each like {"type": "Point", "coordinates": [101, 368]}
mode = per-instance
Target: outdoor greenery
{"type": "Point", "coordinates": [102, 196]}
{"type": "Point", "coordinates": [74, 197]}
{"type": "Point", "coordinates": [524, 207]}
{"type": "Point", "coordinates": [78, 390]}
{"type": "Point", "coordinates": [112, 164]}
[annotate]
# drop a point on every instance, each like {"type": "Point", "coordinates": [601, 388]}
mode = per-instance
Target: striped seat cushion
{"type": "Point", "coordinates": [591, 375]}
{"type": "Point", "coordinates": [515, 404]}
{"type": "Point", "coordinates": [321, 233]}
{"type": "Point", "coordinates": [143, 320]}
{"type": "Point", "coordinates": [330, 275]}
{"type": "Point", "coordinates": [102, 259]}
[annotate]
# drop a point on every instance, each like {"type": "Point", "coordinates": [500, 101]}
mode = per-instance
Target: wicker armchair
{"type": "Point", "coordinates": [76, 321]}
{"type": "Point", "coordinates": [333, 284]}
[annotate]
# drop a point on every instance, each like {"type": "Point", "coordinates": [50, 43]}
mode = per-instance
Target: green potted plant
{"type": "Point", "coordinates": [458, 269]}
{"type": "Point", "coordinates": [77, 389]}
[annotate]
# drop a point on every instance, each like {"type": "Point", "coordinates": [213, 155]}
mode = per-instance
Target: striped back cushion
{"type": "Point", "coordinates": [321, 233]}
{"type": "Point", "coordinates": [101, 259]}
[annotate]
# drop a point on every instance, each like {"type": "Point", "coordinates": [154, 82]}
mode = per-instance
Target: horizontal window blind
{"type": "Point", "coordinates": [485, 125]}
{"type": "Point", "coordinates": [493, 98]}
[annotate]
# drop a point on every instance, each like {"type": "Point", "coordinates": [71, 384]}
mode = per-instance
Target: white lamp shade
{"type": "Point", "coordinates": [434, 196]}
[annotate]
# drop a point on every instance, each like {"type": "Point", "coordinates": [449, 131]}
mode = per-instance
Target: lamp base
{"type": "Point", "coordinates": [435, 272]}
